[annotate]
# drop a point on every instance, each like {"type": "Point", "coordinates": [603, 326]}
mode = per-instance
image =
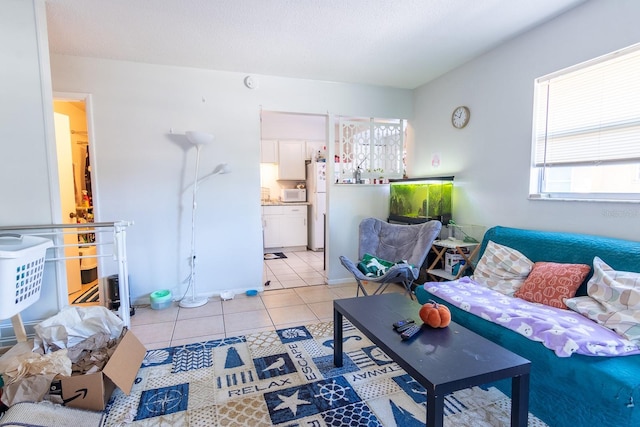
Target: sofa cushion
{"type": "Point", "coordinates": [619, 289]}
{"type": "Point", "coordinates": [625, 323]}
{"type": "Point", "coordinates": [571, 248]}
{"type": "Point", "coordinates": [550, 283]}
{"type": "Point", "coordinates": [613, 301]}
{"type": "Point", "coordinates": [502, 268]}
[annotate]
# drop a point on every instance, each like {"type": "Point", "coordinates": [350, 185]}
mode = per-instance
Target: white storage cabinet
{"type": "Point", "coordinates": [268, 151]}
{"type": "Point", "coordinates": [291, 164]}
{"type": "Point", "coordinates": [284, 226]}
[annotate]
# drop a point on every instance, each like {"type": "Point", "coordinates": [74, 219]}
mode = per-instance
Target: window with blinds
{"type": "Point", "coordinates": [586, 135]}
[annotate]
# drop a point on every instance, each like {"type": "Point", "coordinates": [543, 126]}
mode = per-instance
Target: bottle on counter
{"type": "Point", "coordinates": [85, 199]}
{"type": "Point", "coordinates": [358, 175]}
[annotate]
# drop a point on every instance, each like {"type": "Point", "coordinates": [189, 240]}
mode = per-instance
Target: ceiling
{"type": "Point", "coordinates": [399, 43]}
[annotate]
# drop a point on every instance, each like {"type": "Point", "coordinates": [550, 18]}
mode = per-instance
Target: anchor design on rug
{"type": "Point", "coordinates": [377, 355]}
{"type": "Point", "coordinates": [419, 390]}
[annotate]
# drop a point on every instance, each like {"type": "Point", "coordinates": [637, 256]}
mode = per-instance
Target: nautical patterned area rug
{"type": "Point", "coordinates": [287, 378]}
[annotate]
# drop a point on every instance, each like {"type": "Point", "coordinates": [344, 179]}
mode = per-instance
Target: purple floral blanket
{"type": "Point", "coordinates": [563, 331]}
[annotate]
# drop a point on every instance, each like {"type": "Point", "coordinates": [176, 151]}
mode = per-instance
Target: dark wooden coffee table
{"type": "Point", "coordinates": [441, 360]}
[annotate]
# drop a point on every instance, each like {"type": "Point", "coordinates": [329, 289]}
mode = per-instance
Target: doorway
{"type": "Point", "coordinates": [76, 198]}
{"type": "Point", "coordinates": [298, 240]}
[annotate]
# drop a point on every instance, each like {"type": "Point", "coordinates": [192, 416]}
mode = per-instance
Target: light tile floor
{"type": "Point", "coordinates": [296, 295]}
{"type": "Point", "coordinates": [298, 269]}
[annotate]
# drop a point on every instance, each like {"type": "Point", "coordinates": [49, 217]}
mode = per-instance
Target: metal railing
{"type": "Point", "coordinates": [110, 240]}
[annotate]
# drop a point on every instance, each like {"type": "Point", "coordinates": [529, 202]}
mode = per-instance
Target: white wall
{"type": "Point", "coordinates": [26, 121]}
{"type": "Point", "coordinates": [347, 206]}
{"type": "Point", "coordinates": [282, 125]}
{"type": "Point", "coordinates": [141, 168]}
{"type": "Point", "coordinates": [490, 158]}
{"type": "Point", "coordinates": [22, 111]}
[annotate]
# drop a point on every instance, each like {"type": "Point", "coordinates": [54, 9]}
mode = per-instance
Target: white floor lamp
{"type": "Point", "coordinates": [198, 139]}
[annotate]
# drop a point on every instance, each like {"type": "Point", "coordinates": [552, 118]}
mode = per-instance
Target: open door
{"type": "Point", "coordinates": [67, 199]}
{"type": "Point", "coordinates": [77, 195]}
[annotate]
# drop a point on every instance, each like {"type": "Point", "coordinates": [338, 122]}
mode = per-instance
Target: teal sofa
{"type": "Point", "coordinates": [566, 391]}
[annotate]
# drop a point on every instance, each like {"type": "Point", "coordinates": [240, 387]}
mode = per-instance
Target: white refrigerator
{"type": "Point", "coordinates": [317, 197]}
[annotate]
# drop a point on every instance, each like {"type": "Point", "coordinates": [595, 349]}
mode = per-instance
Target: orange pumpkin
{"type": "Point", "coordinates": [435, 315]}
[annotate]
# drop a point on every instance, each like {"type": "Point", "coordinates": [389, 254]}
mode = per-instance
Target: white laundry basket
{"type": "Point", "coordinates": [21, 270]}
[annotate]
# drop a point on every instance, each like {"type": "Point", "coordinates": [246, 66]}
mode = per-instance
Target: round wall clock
{"type": "Point", "coordinates": [460, 117]}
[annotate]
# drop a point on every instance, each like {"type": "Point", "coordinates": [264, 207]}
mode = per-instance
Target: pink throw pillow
{"type": "Point", "coordinates": [550, 283]}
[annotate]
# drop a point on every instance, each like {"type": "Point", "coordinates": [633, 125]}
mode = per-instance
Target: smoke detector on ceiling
{"type": "Point", "coordinates": [251, 82]}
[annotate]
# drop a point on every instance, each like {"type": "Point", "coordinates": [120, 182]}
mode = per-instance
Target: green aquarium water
{"type": "Point", "coordinates": [420, 199]}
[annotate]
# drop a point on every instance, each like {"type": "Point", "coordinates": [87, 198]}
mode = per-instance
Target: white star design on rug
{"type": "Point", "coordinates": [291, 402]}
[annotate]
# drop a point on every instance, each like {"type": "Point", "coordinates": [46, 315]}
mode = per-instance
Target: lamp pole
{"type": "Point", "coordinates": [194, 301]}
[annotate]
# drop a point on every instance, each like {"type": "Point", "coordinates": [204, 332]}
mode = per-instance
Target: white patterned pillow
{"type": "Point", "coordinates": [617, 289]}
{"type": "Point", "coordinates": [625, 323]}
{"type": "Point", "coordinates": [502, 268]}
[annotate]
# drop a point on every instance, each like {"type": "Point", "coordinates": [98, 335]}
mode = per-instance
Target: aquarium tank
{"type": "Point", "coordinates": [416, 200]}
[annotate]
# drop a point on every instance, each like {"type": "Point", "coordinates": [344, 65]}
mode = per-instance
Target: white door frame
{"type": "Point", "coordinates": [56, 206]}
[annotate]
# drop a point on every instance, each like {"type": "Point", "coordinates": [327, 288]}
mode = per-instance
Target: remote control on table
{"type": "Point", "coordinates": [403, 322]}
{"type": "Point", "coordinates": [401, 329]}
{"type": "Point", "coordinates": [410, 332]}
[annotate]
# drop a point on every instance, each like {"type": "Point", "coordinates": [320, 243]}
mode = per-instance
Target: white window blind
{"type": "Point", "coordinates": [590, 115]}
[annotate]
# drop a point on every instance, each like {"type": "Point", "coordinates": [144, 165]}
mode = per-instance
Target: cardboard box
{"type": "Point", "coordinates": [92, 391]}
{"type": "Point", "coordinates": [450, 261]}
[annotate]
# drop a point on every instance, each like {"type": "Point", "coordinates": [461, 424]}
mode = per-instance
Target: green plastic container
{"type": "Point", "coordinates": [160, 299]}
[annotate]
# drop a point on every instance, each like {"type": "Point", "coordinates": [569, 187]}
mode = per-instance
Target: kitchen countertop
{"type": "Point", "coordinates": [278, 203]}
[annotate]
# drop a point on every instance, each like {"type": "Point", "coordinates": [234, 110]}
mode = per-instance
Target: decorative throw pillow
{"type": "Point", "coordinates": [617, 289]}
{"type": "Point", "coordinates": [550, 283]}
{"type": "Point", "coordinates": [502, 268]}
{"type": "Point", "coordinates": [625, 323]}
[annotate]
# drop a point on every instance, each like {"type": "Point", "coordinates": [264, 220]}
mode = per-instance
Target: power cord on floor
{"type": "Point", "coordinates": [188, 281]}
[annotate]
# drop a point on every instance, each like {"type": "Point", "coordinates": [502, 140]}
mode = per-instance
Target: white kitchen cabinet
{"type": "Point", "coordinates": [271, 225]}
{"type": "Point", "coordinates": [312, 148]}
{"type": "Point", "coordinates": [291, 165]}
{"type": "Point", "coordinates": [294, 230]}
{"type": "Point", "coordinates": [268, 151]}
{"type": "Point", "coordinates": [284, 226]}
